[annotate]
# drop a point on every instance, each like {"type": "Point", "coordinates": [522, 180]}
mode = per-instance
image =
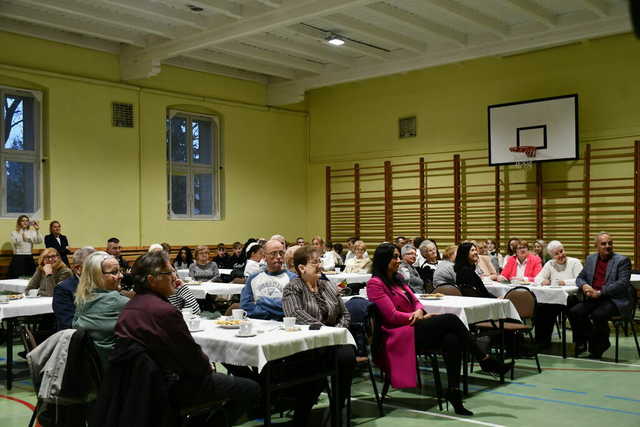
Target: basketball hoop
{"type": "Point", "coordinates": [527, 154]}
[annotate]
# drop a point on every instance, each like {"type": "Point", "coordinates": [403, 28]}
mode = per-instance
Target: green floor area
{"type": "Point", "coordinates": [568, 392]}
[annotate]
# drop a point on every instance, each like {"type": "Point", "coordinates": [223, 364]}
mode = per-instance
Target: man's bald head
{"type": "Point", "coordinates": [274, 255]}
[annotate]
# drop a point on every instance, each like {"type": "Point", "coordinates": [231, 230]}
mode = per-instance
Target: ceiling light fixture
{"type": "Point", "coordinates": [335, 40]}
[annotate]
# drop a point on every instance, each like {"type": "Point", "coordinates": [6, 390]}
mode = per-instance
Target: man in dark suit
{"type": "Point", "coordinates": [57, 241]}
{"type": "Point", "coordinates": [64, 307]}
{"type": "Point", "coordinates": [604, 281]}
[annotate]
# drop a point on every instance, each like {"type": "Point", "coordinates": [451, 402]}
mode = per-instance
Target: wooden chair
{"type": "Point", "coordinates": [525, 303]}
{"type": "Point", "coordinates": [448, 290]}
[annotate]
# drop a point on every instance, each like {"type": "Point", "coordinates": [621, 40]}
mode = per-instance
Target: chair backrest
{"type": "Point", "coordinates": [27, 338]}
{"type": "Point", "coordinates": [448, 290]}
{"type": "Point", "coordinates": [468, 291]}
{"type": "Point", "coordinates": [524, 301]}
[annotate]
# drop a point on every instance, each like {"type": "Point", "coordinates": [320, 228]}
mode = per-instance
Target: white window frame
{"type": "Point", "coordinates": [34, 156]}
{"type": "Point", "coordinates": [190, 169]}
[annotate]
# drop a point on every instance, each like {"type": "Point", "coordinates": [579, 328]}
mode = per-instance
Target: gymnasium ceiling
{"type": "Point", "coordinates": [282, 43]}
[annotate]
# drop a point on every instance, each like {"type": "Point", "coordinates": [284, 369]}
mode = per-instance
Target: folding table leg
{"type": "Point", "coordinates": [563, 320]}
{"type": "Point", "coordinates": [9, 365]}
{"type": "Point", "coordinates": [267, 396]}
{"type": "Point", "coordinates": [501, 323]}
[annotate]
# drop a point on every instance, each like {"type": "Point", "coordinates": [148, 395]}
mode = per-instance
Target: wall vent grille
{"type": "Point", "coordinates": [122, 115]}
{"type": "Point", "coordinates": [407, 127]}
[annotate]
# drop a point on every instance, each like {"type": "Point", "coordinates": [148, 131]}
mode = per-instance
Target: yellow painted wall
{"type": "Point", "coordinates": [357, 122]}
{"type": "Point", "coordinates": [102, 181]}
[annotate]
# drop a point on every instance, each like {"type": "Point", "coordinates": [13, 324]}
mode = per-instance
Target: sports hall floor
{"type": "Point", "coordinates": [568, 392]}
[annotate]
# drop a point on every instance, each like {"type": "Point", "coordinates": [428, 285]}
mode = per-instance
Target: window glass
{"type": "Point", "coordinates": [179, 194]}
{"type": "Point", "coordinates": [178, 134]}
{"type": "Point", "coordinates": [202, 194]}
{"type": "Point", "coordinates": [201, 141]}
{"type": "Point", "coordinates": [20, 179]}
{"type": "Point", "coordinates": [18, 117]}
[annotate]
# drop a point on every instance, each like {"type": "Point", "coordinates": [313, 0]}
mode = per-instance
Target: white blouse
{"type": "Point", "coordinates": [566, 272]}
{"type": "Point", "coordinates": [23, 241]}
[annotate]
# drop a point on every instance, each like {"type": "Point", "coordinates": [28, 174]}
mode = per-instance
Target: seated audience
{"type": "Point", "coordinates": [99, 302]}
{"type": "Point", "coordinates": [203, 270]}
{"type": "Point", "coordinates": [57, 241]}
{"type": "Point", "coordinates": [359, 263]}
{"type": "Point", "coordinates": [221, 258]}
{"type": "Point", "coordinates": [349, 245]}
{"type": "Point", "coordinates": [255, 254]}
{"type": "Point", "coordinates": [155, 247]}
{"type": "Point", "coordinates": [184, 259]}
{"type": "Point", "coordinates": [300, 241]}
{"type": "Point", "coordinates": [604, 281]}
{"type": "Point", "coordinates": [560, 269]}
{"type": "Point", "coordinates": [114, 249]}
{"type": "Point", "coordinates": [236, 256]}
{"type": "Point", "coordinates": [51, 271]}
{"type": "Point", "coordinates": [408, 271]}
{"type": "Point", "coordinates": [444, 273]}
{"type": "Point", "coordinates": [312, 301]}
{"type": "Point", "coordinates": [512, 248]}
{"type": "Point", "coordinates": [496, 257]}
{"type": "Point", "coordinates": [279, 237]}
{"type": "Point", "coordinates": [484, 262]}
{"type": "Point", "coordinates": [523, 265]}
{"type": "Point", "coordinates": [429, 255]}
{"type": "Point", "coordinates": [151, 322]}
{"type": "Point", "coordinates": [288, 258]}
{"type": "Point", "coordinates": [22, 240]}
{"type": "Point", "coordinates": [407, 330]}
{"type": "Point", "coordinates": [417, 241]}
{"type": "Point", "coordinates": [466, 270]}
{"type": "Point", "coordinates": [64, 293]}
{"type": "Point", "coordinates": [261, 296]}
{"type": "Point", "coordinates": [331, 260]}
{"type": "Point", "coordinates": [183, 298]}
{"type": "Point", "coordinates": [400, 241]}
{"type": "Point", "coordinates": [539, 248]}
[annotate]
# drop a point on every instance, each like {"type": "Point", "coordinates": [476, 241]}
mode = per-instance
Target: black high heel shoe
{"type": "Point", "coordinates": [495, 367]}
{"type": "Point", "coordinates": [455, 398]}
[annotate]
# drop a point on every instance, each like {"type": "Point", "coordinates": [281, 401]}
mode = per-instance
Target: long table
{"type": "Point", "coordinates": [184, 272]}
{"type": "Point", "coordinates": [336, 278]}
{"type": "Point", "coordinates": [10, 312]}
{"type": "Point", "coordinates": [271, 343]}
{"type": "Point", "coordinates": [215, 288]}
{"type": "Point", "coordinates": [14, 285]}
{"type": "Point", "coordinates": [544, 295]}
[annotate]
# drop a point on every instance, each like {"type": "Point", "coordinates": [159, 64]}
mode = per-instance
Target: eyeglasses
{"type": "Point", "coordinates": [113, 273]}
{"type": "Point", "coordinates": [51, 257]}
{"type": "Point", "coordinates": [167, 273]}
{"type": "Point", "coordinates": [275, 253]}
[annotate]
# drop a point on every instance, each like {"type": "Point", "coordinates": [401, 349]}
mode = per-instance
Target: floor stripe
{"type": "Point", "coordinates": [25, 403]}
{"type": "Point", "coordinates": [434, 414]}
{"type": "Point", "coordinates": [593, 361]}
{"type": "Point", "coordinates": [564, 402]}
{"type": "Point", "coordinates": [591, 370]}
{"type": "Point", "coordinates": [621, 398]}
{"type": "Point", "coordinates": [568, 391]}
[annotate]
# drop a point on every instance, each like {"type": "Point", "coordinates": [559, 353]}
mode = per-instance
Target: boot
{"type": "Point", "coordinates": [454, 396]}
{"type": "Point", "coordinates": [495, 367]}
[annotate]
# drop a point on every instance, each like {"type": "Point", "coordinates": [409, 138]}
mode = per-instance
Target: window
{"type": "Point", "coordinates": [20, 152]}
{"type": "Point", "coordinates": [193, 179]}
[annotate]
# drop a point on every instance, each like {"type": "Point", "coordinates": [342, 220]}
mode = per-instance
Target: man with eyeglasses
{"type": "Point", "coordinates": [261, 297]}
{"type": "Point", "coordinates": [604, 281]}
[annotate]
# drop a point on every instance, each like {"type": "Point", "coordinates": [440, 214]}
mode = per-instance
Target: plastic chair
{"type": "Point", "coordinates": [448, 290]}
{"type": "Point", "coordinates": [621, 321]}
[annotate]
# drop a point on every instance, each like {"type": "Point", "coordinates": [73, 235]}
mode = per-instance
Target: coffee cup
{"type": "Point", "coordinates": [289, 323]}
{"type": "Point", "coordinates": [33, 293]}
{"type": "Point", "coordinates": [4, 299]}
{"type": "Point", "coordinates": [186, 314]}
{"type": "Point", "coordinates": [194, 323]}
{"type": "Point", "coordinates": [363, 292]}
{"type": "Point", "coordinates": [238, 314]}
{"type": "Point", "coordinates": [246, 328]}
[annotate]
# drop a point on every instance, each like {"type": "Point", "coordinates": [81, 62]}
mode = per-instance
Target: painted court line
{"type": "Point", "coordinates": [435, 414]}
{"type": "Point", "coordinates": [569, 391]}
{"type": "Point", "coordinates": [593, 361]}
{"type": "Point", "coordinates": [621, 398]}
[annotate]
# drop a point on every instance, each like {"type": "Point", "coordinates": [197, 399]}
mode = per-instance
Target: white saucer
{"type": "Point", "coordinates": [196, 330]}
{"type": "Point", "coordinates": [32, 296]}
{"type": "Point", "coordinates": [245, 336]}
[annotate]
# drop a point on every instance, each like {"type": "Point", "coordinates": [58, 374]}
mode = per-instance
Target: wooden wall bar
{"type": "Point", "coordinates": [464, 198]}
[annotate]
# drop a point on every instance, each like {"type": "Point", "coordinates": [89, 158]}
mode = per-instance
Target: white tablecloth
{"type": "Point", "coordinates": [184, 272]}
{"type": "Point", "coordinates": [14, 285]}
{"type": "Point", "coordinates": [214, 288]}
{"type": "Point", "coordinates": [222, 345]}
{"type": "Point", "coordinates": [544, 294]}
{"type": "Point", "coordinates": [26, 307]}
{"type": "Point", "coordinates": [348, 277]}
{"type": "Point", "coordinates": [635, 281]}
{"type": "Point", "coordinates": [472, 310]}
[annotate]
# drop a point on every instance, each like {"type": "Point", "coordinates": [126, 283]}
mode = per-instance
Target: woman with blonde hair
{"type": "Point", "coordinates": [51, 271]}
{"type": "Point", "coordinates": [99, 302]}
{"type": "Point", "coordinates": [22, 241]}
{"type": "Point", "coordinates": [359, 263]}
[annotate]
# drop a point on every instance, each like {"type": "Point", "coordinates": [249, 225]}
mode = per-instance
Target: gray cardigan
{"type": "Point", "coordinates": [617, 280]}
{"type": "Point", "coordinates": [444, 274]}
{"type": "Point", "coordinates": [412, 277]}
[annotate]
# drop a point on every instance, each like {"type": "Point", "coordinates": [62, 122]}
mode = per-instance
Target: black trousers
{"type": "Point", "coordinates": [590, 322]}
{"type": "Point", "coordinates": [448, 333]}
{"type": "Point", "coordinates": [546, 315]}
{"type": "Point", "coordinates": [301, 364]}
{"type": "Point", "coordinates": [243, 394]}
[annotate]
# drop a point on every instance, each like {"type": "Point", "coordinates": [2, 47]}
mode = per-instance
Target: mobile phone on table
{"type": "Point", "coordinates": [315, 326]}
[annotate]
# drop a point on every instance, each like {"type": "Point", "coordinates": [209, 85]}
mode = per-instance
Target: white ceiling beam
{"type": "Point", "coordinates": [158, 11]}
{"type": "Point", "coordinates": [47, 19]}
{"type": "Point", "coordinates": [241, 49]}
{"type": "Point", "coordinates": [359, 48]}
{"type": "Point", "coordinates": [208, 67]}
{"type": "Point", "coordinates": [294, 47]}
{"type": "Point", "coordinates": [599, 7]}
{"type": "Point", "coordinates": [419, 23]}
{"type": "Point", "coordinates": [534, 11]}
{"type": "Point", "coordinates": [84, 10]}
{"type": "Point", "coordinates": [54, 35]}
{"type": "Point", "coordinates": [287, 92]}
{"type": "Point", "coordinates": [377, 34]}
{"type": "Point", "coordinates": [285, 15]}
{"type": "Point", "coordinates": [241, 63]}
{"type": "Point", "coordinates": [479, 19]}
{"type": "Point", "coordinates": [224, 7]}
